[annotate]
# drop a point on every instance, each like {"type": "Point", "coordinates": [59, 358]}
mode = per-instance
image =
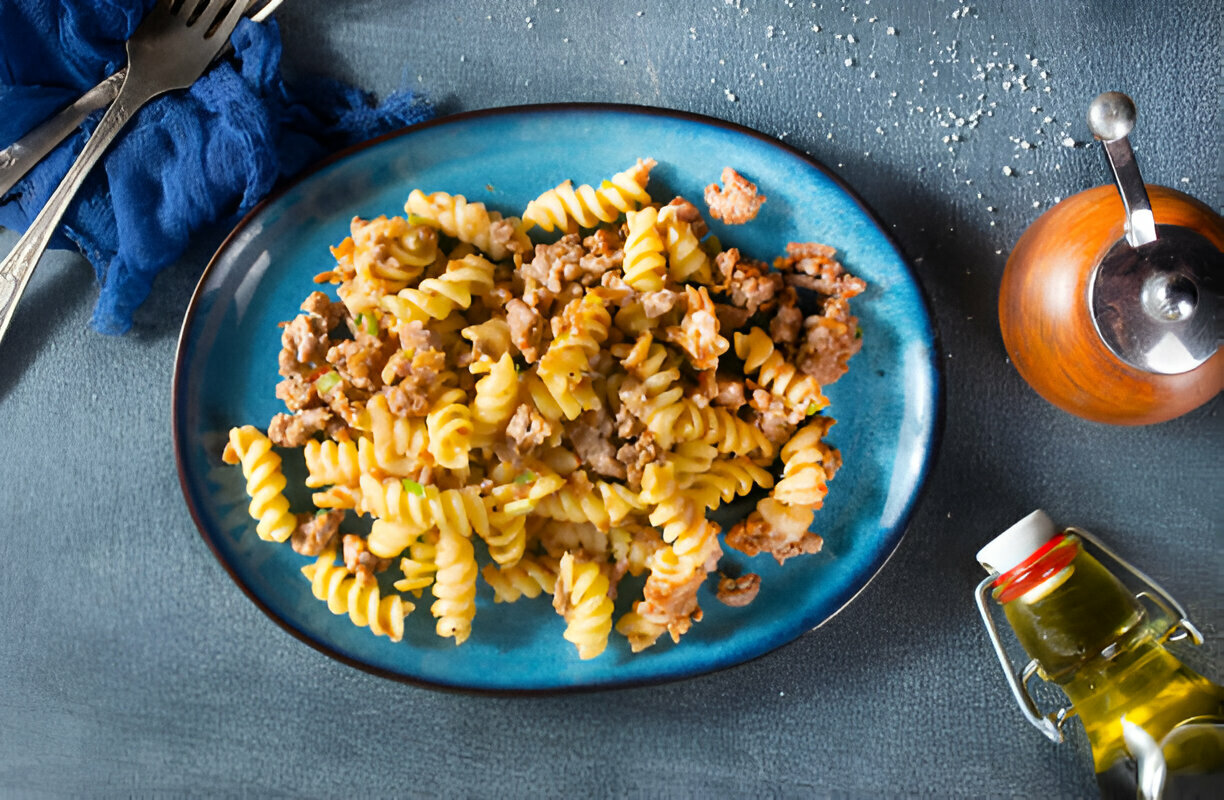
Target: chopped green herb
{"type": "Point", "coordinates": [525, 478]}
{"type": "Point", "coordinates": [370, 322]}
{"type": "Point", "coordinates": [320, 512]}
{"type": "Point", "coordinates": [812, 409]}
{"type": "Point", "coordinates": [858, 331]}
{"type": "Point", "coordinates": [417, 219]}
{"type": "Point", "coordinates": [412, 487]}
{"type": "Point", "coordinates": [327, 381]}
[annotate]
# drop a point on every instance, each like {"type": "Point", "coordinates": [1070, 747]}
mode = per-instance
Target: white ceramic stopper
{"type": "Point", "coordinates": [1011, 547]}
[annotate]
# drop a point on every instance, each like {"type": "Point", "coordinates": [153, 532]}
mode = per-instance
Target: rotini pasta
{"type": "Point", "coordinates": [587, 206]}
{"type": "Point", "coordinates": [582, 598]}
{"type": "Point", "coordinates": [265, 482]}
{"type": "Point", "coordinates": [572, 404]}
{"type": "Point", "coordinates": [363, 602]}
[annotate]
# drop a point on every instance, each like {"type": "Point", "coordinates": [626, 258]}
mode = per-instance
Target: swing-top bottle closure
{"type": "Point", "coordinates": [1020, 567]}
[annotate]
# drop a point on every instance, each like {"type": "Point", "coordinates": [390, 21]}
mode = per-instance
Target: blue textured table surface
{"type": "Point", "coordinates": [130, 664]}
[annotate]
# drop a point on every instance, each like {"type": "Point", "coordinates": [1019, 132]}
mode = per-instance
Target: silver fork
{"type": "Point", "coordinates": [20, 157]}
{"type": "Point", "coordinates": [171, 49]}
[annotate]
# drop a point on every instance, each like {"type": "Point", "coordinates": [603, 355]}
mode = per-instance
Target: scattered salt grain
{"type": "Point", "coordinates": [731, 98]}
{"type": "Point", "coordinates": [849, 62]}
{"type": "Point", "coordinates": [1008, 171]}
{"type": "Point", "coordinates": [1068, 142]}
{"type": "Point", "coordinates": [891, 31]}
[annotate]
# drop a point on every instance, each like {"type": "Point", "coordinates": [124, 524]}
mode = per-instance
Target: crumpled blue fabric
{"type": "Point", "coordinates": [187, 160]}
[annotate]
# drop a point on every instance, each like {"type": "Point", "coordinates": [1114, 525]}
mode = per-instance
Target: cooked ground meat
{"type": "Point", "coordinates": [591, 435]}
{"type": "Point", "coordinates": [731, 318]}
{"type": "Point", "coordinates": [414, 336]}
{"type": "Point", "coordinates": [697, 332]}
{"type": "Point", "coordinates": [656, 304]}
{"type": "Point", "coordinates": [360, 561]}
{"type": "Point", "coordinates": [603, 243]}
{"type": "Point", "coordinates": [294, 430]}
{"type": "Point", "coordinates": [503, 235]}
{"type": "Point", "coordinates": [829, 342]}
{"type": "Point", "coordinates": [750, 284]}
{"type": "Point", "coordinates": [316, 532]}
{"type": "Point", "coordinates": [528, 428]}
{"type": "Point", "coordinates": [788, 319]}
{"type": "Point", "coordinates": [687, 212]}
{"type": "Point", "coordinates": [320, 305]}
{"type": "Point", "coordinates": [297, 393]}
{"type": "Point", "coordinates": [636, 455]}
{"type": "Point", "coordinates": [526, 326]}
{"type": "Point", "coordinates": [304, 344]}
{"type": "Point", "coordinates": [730, 393]}
{"type": "Point", "coordinates": [360, 360]}
{"type": "Point", "coordinates": [774, 418]}
{"type": "Point", "coordinates": [738, 592]}
{"type": "Point", "coordinates": [777, 529]}
{"type": "Point", "coordinates": [552, 261]}
{"type": "Point", "coordinates": [818, 263]}
{"type": "Point", "coordinates": [736, 202]}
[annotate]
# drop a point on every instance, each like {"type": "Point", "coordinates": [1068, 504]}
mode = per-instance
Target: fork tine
{"type": "Point", "coordinates": [226, 18]}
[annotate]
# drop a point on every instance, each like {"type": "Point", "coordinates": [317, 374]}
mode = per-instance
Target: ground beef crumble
{"type": "Point", "coordinates": [736, 201]}
{"type": "Point", "coordinates": [738, 592]}
{"type": "Point", "coordinates": [316, 532]}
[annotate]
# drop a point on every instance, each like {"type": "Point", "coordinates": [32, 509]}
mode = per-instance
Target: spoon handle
{"type": "Point", "coordinates": [1110, 118]}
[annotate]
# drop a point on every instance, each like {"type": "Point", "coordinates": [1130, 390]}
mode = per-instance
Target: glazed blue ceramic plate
{"type": "Point", "coordinates": [888, 408]}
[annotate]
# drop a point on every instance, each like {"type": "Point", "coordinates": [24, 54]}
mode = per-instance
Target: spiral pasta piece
{"type": "Point", "coordinates": [363, 602]}
{"type": "Point", "coordinates": [506, 537]}
{"type": "Point", "coordinates": [686, 260]}
{"type": "Point", "coordinates": [804, 478]}
{"type": "Point", "coordinates": [587, 206]}
{"type": "Point", "coordinates": [776, 374]}
{"type": "Point", "coordinates": [470, 223]}
{"type": "Point", "coordinates": [419, 569]}
{"type": "Point", "coordinates": [449, 423]}
{"type": "Point", "coordinates": [436, 298]}
{"type": "Point", "coordinates": [676, 574]}
{"type": "Point", "coordinates": [496, 397]}
{"type": "Point", "coordinates": [401, 445]}
{"type": "Point", "coordinates": [530, 576]}
{"type": "Point", "coordinates": [717, 426]}
{"type": "Point", "coordinates": [265, 482]}
{"type": "Point", "coordinates": [581, 597]}
{"type": "Point", "coordinates": [645, 264]}
{"type": "Point", "coordinates": [330, 463]}
{"type": "Point", "coordinates": [454, 586]}
{"type": "Point", "coordinates": [458, 510]}
{"type": "Point", "coordinates": [565, 367]}
{"type": "Point", "coordinates": [388, 539]}
{"type": "Point", "coordinates": [726, 480]}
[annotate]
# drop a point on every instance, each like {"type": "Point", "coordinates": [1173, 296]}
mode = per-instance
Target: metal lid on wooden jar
{"type": "Point", "coordinates": [1156, 306]}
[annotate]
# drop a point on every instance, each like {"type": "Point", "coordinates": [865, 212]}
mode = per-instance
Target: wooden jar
{"type": "Point", "coordinates": [1047, 324]}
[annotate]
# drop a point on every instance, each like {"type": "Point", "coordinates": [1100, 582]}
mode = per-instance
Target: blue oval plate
{"type": "Point", "coordinates": [888, 408]}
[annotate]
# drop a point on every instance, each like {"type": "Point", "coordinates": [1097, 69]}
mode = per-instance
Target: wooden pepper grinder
{"type": "Point", "coordinates": [1111, 305]}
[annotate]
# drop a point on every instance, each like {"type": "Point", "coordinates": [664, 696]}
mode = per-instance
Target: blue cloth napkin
{"type": "Point", "coordinates": [188, 159]}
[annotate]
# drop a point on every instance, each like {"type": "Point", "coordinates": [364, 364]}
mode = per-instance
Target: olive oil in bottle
{"type": "Point", "coordinates": [1089, 635]}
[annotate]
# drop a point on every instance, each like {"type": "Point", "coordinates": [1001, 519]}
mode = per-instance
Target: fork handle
{"type": "Point", "coordinates": [18, 158]}
{"type": "Point", "coordinates": [17, 267]}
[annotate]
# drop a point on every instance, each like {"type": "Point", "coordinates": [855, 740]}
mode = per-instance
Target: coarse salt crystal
{"type": "Point", "coordinates": [1008, 171]}
{"type": "Point", "coordinates": [849, 62]}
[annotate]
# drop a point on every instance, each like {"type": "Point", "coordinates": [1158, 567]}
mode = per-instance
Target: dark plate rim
{"type": "Point", "coordinates": [897, 534]}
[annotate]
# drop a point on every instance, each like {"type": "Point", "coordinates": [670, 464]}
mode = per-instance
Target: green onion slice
{"type": "Point", "coordinates": [328, 381]}
{"type": "Point", "coordinates": [412, 487]}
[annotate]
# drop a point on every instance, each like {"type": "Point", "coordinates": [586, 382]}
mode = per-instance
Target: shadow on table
{"type": "Point", "coordinates": [62, 283]}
